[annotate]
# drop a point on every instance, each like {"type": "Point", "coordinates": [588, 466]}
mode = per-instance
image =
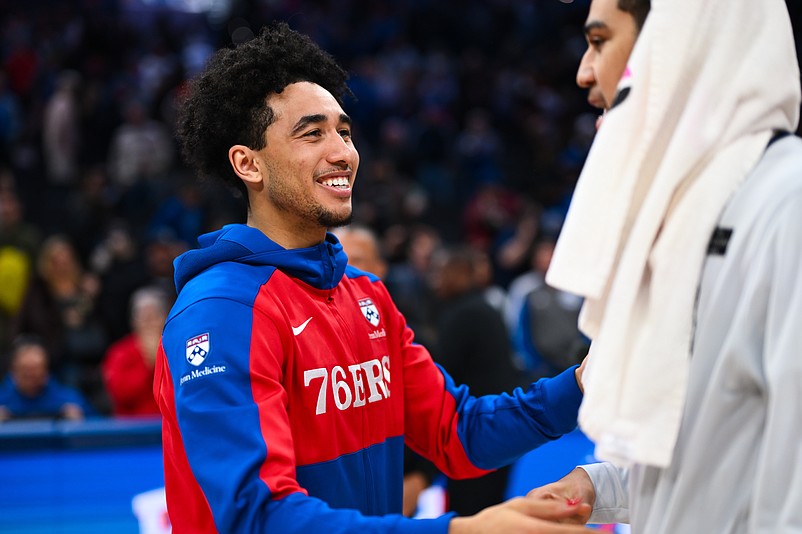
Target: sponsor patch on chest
{"type": "Point", "coordinates": [370, 311]}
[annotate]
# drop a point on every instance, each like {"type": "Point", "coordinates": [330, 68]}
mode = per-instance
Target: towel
{"type": "Point", "coordinates": [709, 81]}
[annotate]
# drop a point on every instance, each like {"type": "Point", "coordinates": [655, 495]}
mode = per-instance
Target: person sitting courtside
{"type": "Point", "coordinates": [30, 392]}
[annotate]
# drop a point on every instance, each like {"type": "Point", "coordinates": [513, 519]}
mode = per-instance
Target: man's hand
{"type": "Point", "coordinates": [578, 374]}
{"type": "Point", "coordinates": [523, 515]}
{"type": "Point", "coordinates": [72, 412]}
{"type": "Point", "coordinates": [574, 488]}
{"type": "Point", "coordinates": [414, 484]}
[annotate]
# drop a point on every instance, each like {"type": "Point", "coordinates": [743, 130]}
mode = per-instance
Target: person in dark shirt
{"type": "Point", "coordinates": [474, 347]}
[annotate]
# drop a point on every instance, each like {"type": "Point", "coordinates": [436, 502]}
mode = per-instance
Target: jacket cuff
{"type": "Point", "coordinates": [562, 397]}
{"type": "Point", "coordinates": [437, 525]}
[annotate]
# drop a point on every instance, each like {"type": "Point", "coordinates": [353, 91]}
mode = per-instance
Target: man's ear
{"type": "Point", "coordinates": [243, 160]}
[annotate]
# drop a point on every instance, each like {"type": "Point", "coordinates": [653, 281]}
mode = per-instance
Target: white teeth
{"type": "Point", "coordinates": [336, 182]}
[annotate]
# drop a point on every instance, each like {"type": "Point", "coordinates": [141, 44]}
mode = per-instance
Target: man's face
{"type": "Point", "coordinates": [611, 35]}
{"type": "Point", "coordinates": [29, 370]}
{"type": "Point", "coordinates": [450, 278]}
{"type": "Point", "coordinates": [148, 317]}
{"type": "Point", "coordinates": [309, 159]}
{"type": "Point", "coordinates": [362, 252]}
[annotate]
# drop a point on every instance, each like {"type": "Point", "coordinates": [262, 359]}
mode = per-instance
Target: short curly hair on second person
{"type": "Point", "coordinates": [227, 103]}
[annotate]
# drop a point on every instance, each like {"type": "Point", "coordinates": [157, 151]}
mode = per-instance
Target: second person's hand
{"type": "Point", "coordinates": [523, 515]}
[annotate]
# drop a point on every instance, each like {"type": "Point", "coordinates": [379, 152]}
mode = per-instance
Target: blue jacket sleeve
{"type": "Point", "coordinates": [463, 434]}
{"type": "Point", "coordinates": [496, 430]}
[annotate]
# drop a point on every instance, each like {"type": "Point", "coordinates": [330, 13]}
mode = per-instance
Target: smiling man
{"type": "Point", "coordinates": [287, 379]}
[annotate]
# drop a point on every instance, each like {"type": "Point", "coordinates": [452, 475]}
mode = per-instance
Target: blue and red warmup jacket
{"type": "Point", "coordinates": [288, 383]}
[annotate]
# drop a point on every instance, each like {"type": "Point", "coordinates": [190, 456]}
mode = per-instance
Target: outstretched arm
{"type": "Point", "coordinates": [523, 515]}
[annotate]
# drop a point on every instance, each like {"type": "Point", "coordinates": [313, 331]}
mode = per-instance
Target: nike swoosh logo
{"type": "Point", "coordinates": [300, 328]}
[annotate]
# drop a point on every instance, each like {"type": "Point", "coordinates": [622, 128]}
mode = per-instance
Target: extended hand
{"type": "Point", "coordinates": [574, 488]}
{"type": "Point", "coordinates": [523, 515]}
{"type": "Point", "coordinates": [578, 374]}
{"type": "Point", "coordinates": [414, 484]}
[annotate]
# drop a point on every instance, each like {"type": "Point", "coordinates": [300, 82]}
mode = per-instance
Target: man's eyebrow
{"type": "Point", "coordinates": [316, 118]}
{"type": "Point", "coordinates": [595, 25]}
{"type": "Point", "coordinates": [306, 120]}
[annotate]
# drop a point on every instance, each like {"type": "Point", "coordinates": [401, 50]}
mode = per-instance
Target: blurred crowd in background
{"type": "Point", "coordinates": [470, 127]}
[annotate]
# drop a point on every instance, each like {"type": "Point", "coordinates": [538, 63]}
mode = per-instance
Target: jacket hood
{"type": "Point", "coordinates": [321, 266]}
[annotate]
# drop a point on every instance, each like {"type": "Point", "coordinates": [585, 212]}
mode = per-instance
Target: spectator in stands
{"type": "Point", "coordinates": [61, 130]}
{"type": "Point", "coordinates": [362, 247]}
{"type": "Point", "coordinates": [473, 346]}
{"type": "Point", "coordinates": [88, 210]}
{"type": "Point", "coordinates": [29, 391]}
{"type": "Point", "coordinates": [19, 242]}
{"type": "Point", "coordinates": [141, 147]}
{"type": "Point", "coordinates": [159, 254]}
{"type": "Point", "coordinates": [479, 153]}
{"type": "Point", "coordinates": [484, 272]}
{"type": "Point", "coordinates": [140, 160]}
{"type": "Point", "coordinates": [129, 363]}
{"type": "Point", "coordinates": [511, 248]}
{"type": "Point", "coordinates": [15, 230]}
{"type": "Point", "coordinates": [60, 307]}
{"type": "Point", "coordinates": [119, 262]}
{"type": "Point", "coordinates": [410, 252]}
{"type": "Point", "coordinates": [182, 215]}
{"type": "Point", "coordinates": [543, 319]}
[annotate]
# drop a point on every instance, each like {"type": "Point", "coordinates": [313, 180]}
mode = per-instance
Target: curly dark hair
{"type": "Point", "coordinates": [227, 103]}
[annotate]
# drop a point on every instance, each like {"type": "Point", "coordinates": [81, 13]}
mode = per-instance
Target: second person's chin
{"type": "Point", "coordinates": [600, 120]}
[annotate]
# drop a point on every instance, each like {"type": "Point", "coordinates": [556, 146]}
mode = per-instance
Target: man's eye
{"type": "Point", "coordinates": [313, 133]}
{"type": "Point", "coordinates": [345, 132]}
{"type": "Point", "coordinates": [596, 42]}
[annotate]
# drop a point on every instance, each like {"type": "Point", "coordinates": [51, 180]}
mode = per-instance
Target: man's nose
{"type": "Point", "coordinates": [585, 78]}
{"type": "Point", "coordinates": [341, 151]}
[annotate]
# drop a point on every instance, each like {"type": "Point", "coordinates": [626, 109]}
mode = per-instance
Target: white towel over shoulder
{"type": "Point", "coordinates": [710, 82]}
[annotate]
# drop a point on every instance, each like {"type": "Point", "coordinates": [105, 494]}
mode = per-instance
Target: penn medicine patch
{"type": "Point", "coordinates": [198, 349]}
{"type": "Point", "coordinates": [369, 311]}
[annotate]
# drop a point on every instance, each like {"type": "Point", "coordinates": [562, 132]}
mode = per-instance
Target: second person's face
{"type": "Point", "coordinates": [611, 35]}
